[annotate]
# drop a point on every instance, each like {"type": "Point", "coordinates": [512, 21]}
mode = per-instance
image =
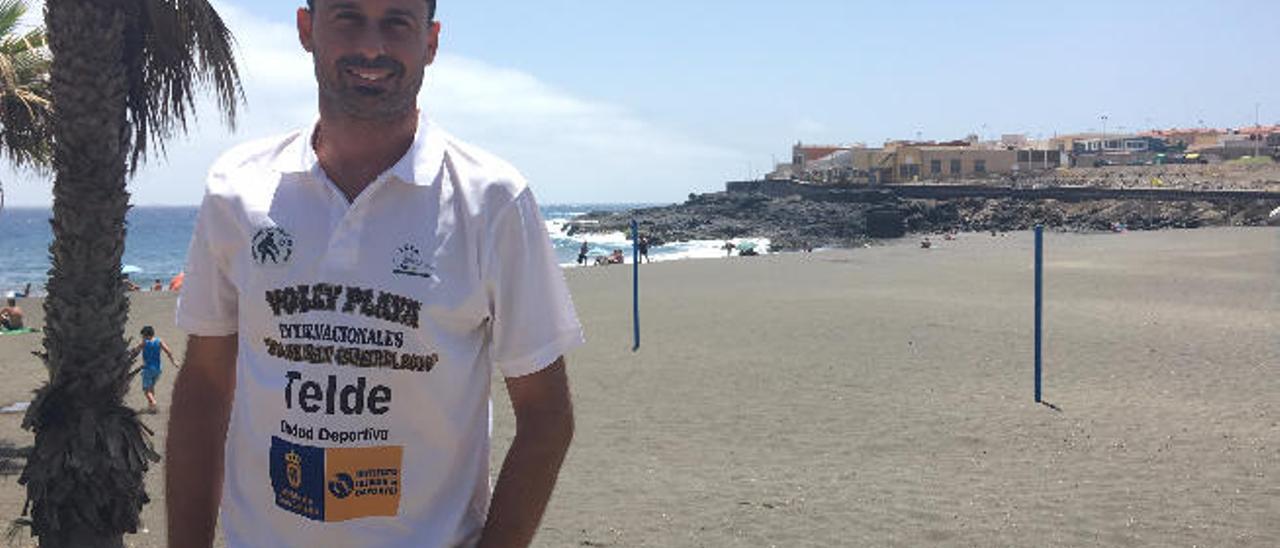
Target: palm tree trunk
{"type": "Point", "coordinates": [85, 477]}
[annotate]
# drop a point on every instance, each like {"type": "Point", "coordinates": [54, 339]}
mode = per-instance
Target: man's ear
{"type": "Point", "coordinates": [305, 21]}
{"type": "Point", "coordinates": [433, 41]}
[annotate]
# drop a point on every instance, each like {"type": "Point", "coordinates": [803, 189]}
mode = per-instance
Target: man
{"type": "Point", "coordinates": [351, 287]}
{"type": "Point", "coordinates": [11, 315]}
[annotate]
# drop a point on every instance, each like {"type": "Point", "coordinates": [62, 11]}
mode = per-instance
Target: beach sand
{"type": "Point", "coordinates": [883, 397]}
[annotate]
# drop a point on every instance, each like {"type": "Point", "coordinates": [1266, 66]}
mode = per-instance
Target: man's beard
{"type": "Point", "coordinates": [371, 103]}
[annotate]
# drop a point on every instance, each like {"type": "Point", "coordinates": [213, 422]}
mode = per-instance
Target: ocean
{"type": "Point", "coordinates": [156, 244]}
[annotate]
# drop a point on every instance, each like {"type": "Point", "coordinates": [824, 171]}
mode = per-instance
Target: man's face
{"type": "Point", "coordinates": [370, 55]}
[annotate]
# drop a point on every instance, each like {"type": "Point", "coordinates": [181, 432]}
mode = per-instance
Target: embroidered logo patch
{"type": "Point", "coordinates": [408, 262]}
{"type": "Point", "coordinates": [272, 245]}
{"type": "Point", "coordinates": [337, 483]}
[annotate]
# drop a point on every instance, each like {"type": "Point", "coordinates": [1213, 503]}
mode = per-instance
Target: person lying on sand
{"type": "Point", "coordinates": [11, 315]}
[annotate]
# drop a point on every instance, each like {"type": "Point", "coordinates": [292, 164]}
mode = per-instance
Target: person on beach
{"type": "Point", "coordinates": [11, 315]}
{"type": "Point", "coordinates": [158, 285]}
{"type": "Point", "coordinates": [150, 348]}
{"type": "Point", "coordinates": [728, 248]}
{"type": "Point", "coordinates": [352, 287]}
{"type": "Point", "coordinates": [175, 284]}
{"type": "Point", "coordinates": [644, 248]}
{"type": "Point", "coordinates": [582, 253]}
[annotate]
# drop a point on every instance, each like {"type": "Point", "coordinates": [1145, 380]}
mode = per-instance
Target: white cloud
{"type": "Point", "coordinates": [572, 149]}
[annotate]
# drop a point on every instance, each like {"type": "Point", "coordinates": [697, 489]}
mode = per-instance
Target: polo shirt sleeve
{"type": "Point", "coordinates": [208, 302]}
{"type": "Point", "coordinates": [532, 318]}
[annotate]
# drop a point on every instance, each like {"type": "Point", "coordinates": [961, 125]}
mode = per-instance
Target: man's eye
{"type": "Point", "coordinates": [348, 17]}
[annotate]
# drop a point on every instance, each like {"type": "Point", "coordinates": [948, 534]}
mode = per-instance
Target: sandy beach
{"type": "Point", "coordinates": [883, 397]}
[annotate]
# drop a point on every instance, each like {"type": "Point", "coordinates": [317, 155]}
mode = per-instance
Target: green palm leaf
{"type": "Point", "coordinates": [26, 132]}
{"type": "Point", "coordinates": [173, 47]}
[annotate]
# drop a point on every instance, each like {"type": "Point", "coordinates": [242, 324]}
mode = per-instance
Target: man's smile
{"type": "Point", "coordinates": [370, 74]}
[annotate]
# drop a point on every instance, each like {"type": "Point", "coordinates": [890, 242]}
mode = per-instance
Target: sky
{"type": "Point", "coordinates": [621, 101]}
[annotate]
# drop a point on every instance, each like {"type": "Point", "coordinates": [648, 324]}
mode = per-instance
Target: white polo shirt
{"type": "Point", "coordinates": [367, 335]}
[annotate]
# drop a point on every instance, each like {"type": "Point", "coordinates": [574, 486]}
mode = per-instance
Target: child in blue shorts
{"type": "Point", "coordinates": [150, 347]}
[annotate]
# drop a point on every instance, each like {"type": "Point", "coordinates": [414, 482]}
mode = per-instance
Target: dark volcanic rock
{"type": "Point", "coordinates": [788, 222]}
{"type": "Point", "coordinates": [839, 219]}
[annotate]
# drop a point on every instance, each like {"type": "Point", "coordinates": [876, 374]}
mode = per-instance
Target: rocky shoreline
{"type": "Point", "coordinates": [840, 219]}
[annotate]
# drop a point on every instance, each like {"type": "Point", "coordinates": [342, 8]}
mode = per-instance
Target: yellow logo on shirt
{"type": "Point", "coordinates": [363, 482]}
{"type": "Point", "coordinates": [336, 483]}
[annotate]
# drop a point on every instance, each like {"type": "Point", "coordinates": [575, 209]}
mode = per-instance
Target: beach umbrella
{"type": "Point", "coordinates": [130, 269]}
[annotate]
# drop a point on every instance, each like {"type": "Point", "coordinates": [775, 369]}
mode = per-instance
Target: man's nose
{"type": "Point", "coordinates": [371, 44]}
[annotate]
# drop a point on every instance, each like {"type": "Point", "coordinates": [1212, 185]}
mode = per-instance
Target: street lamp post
{"type": "Point", "coordinates": [1257, 134]}
{"type": "Point", "coordinates": [1103, 149]}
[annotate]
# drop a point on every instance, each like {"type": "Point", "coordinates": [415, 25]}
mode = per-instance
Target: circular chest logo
{"type": "Point", "coordinates": [341, 485]}
{"type": "Point", "coordinates": [272, 246]}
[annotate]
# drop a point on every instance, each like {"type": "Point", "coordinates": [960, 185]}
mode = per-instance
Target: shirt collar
{"type": "Point", "coordinates": [419, 165]}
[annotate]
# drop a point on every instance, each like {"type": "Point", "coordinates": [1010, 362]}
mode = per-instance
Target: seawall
{"type": "Point", "coordinates": [868, 193]}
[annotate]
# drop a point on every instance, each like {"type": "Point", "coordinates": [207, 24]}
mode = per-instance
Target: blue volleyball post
{"type": "Point", "coordinates": [1039, 301]}
{"type": "Point", "coordinates": [635, 282]}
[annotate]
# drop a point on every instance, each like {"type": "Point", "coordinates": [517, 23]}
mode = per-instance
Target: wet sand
{"type": "Point", "coordinates": [883, 397]}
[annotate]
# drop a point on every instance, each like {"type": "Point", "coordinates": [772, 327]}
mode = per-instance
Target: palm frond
{"type": "Point", "coordinates": [26, 130]}
{"type": "Point", "coordinates": [11, 12]}
{"type": "Point", "coordinates": [14, 44]}
{"type": "Point", "coordinates": [172, 47]}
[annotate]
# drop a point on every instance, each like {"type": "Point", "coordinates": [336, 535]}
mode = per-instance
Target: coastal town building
{"type": "Point", "coordinates": [907, 162]}
{"type": "Point", "coordinates": [1013, 155]}
{"type": "Point", "coordinates": [1117, 150]}
{"type": "Point", "coordinates": [925, 161]}
{"type": "Point", "coordinates": [802, 155]}
{"type": "Point", "coordinates": [816, 163]}
{"type": "Point", "coordinates": [1252, 141]}
{"type": "Point", "coordinates": [1191, 139]}
{"type": "Point", "coordinates": [914, 161]}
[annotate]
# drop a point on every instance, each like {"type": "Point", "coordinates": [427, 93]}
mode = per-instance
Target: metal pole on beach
{"type": "Point", "coordinates": [1039, 301]}
{"type": "Point", "coordinates": [635, 282]}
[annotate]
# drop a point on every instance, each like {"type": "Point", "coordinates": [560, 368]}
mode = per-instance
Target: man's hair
{"type": "Point", "coordinates": [148, 332]}
{"type": "Point", "coordinates": [431, 8]}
